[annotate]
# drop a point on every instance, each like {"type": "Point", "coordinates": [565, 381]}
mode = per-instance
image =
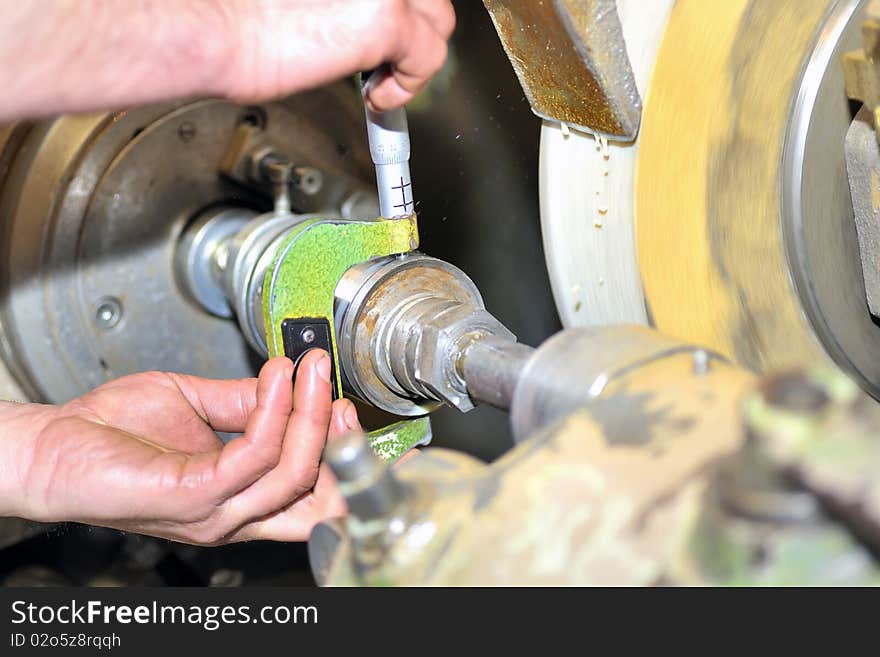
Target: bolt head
{"type": "Point", "coordinates": [108, 312]}
{"type": "Point", "coordinates": [439, 347]}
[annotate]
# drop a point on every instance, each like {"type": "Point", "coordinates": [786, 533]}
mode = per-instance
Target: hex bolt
{"type": "Point", "coordinates": [108, 313]}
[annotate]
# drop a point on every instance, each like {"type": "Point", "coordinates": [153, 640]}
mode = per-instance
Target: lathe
{"type": "Point", "coordinates": [710, 210]}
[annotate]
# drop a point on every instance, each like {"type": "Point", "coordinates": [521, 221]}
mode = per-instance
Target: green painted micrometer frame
{"type": "Point", "coordinates": [301, 282]}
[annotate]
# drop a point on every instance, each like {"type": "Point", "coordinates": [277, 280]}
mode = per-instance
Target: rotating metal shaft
{"type": "Point", "coordinates": [492, 367]}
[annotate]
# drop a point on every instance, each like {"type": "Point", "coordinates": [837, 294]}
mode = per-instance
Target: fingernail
{"type": "Point", "coordinates": [351, 418]}
{"type": "Point", "coordinates": [323, 368]}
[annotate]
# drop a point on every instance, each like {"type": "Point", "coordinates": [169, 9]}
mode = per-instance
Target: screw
{"type": "Point", "coordinates": [701, 362]}
{"type": "Point", "coordinates": [308, 335]}
{"type": "Point", "coordinates": [278, 170]}
{"type": "Point", "coordinates": [108, 313]}
{"type": "Point", "coordinates": [308, 180]}
{"type": "Point", "coordinates": [186, 131]}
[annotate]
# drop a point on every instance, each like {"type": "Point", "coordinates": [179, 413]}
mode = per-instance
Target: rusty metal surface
{"type": "Point", "coordinates": [404, 326]}
{"type": "Point", "coordinates": [571, 60]}
{"type": "Point", "coordinates": [672, 476]}
{"type": "Point", "coordinates": [606, 496]}
{"type": "Point", "coordinates": [826, 441]}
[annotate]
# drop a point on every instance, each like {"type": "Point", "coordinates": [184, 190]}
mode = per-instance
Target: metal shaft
{"type": "Point", "coordinates": [491, 369]}
{"type": "Point", "coordinates": [403, 325]}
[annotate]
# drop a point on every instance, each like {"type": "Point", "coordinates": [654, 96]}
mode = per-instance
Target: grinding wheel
{"type": "Point", "coordinates": [729, 221]}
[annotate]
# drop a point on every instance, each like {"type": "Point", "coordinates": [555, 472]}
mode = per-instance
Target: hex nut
{"type": "Point", "coordinates": [440, 344]}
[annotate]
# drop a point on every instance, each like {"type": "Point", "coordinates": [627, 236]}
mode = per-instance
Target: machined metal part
{"type": "Point", "coordinates": [605, 494]}
{"type": "Point", "coordinates": [203, 253]}
{"type": "Point", "coordinates": [369, 486]}
{"type": "Point", "coordinates": [296, 181]}
{"type": "Point", "coordinates": [249, 256]}
{"type": "Point", "coordinates": [285, 271]}
{"type": "Point", "coordinates": [571, 59]}
{"type": "Point", "coordinates": [576, 368]}
{"type": "Point", "coordinates": [388, 136]}
{"type": "Point", "coordinates": [94, 208]}
{"type": "Point", "coordinates": [664, 476]}
{"type": "Point", "coordinates": [492, 367]}
{"type": "Point", "coordinates": [863, 171]}
{"type": "Point", "coordinates": [312, 258]}
{"type": "Point", "coordinates": [375, 498]}
{"type": "Point", "coordinates": [404, 324]}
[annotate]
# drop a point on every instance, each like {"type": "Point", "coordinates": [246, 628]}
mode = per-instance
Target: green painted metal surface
{"type": "Point", "coordinates": [395, 440]}
{"type": "Point", "coordinates": [302, 282]}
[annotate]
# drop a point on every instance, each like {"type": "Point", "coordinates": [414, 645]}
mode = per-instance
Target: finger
{"type": "Point", "coordinates": [195, 485]}
{"type": "Point", "coordinates": [411, 454]}
{"type": "Point", "coordinates": [337, 420]}
{"type": "Point", "coordinates": [439, 13]}
{"type": "Point", "coordinates": [305, 436]}
{"type": "Point", "coordinates": [245, 459]}
{"type": "Point", "coordinates": [296, 521]}
{"type": "Point", "coordinates": [344, 419]}
{"type": "Point", "coordinates": [312, 406]}
{"type": "Point", "coordinates": [224, 405]}
{"type": "Point", "coordinates": [423, 54]}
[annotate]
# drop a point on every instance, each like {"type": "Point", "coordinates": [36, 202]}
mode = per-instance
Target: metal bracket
{"type": "Point", "coordinates": [300, 286]}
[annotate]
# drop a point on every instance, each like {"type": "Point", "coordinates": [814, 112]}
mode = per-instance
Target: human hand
{"type": "Point", "coordinates": [140, 454]}
{"type": "Point", "coordinates": [335, 38]}
{"type": "Point", "coordinates": [59, 56]}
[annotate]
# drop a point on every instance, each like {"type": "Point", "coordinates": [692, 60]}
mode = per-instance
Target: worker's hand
{"type": "Point", "coordinates": [287, 45]}
{"type": "Point", "coordinates": [140, 454]}
{"type": "Point", "coordinates": [73, 55]}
